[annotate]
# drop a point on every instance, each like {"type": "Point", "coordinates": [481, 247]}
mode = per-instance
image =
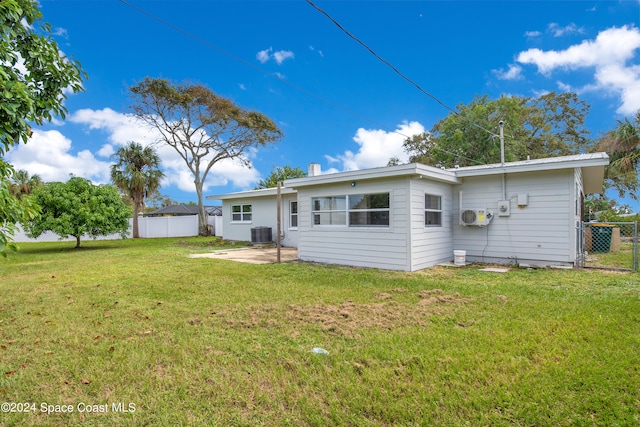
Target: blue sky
{"type": "Point", "coordinates": [335, 102]}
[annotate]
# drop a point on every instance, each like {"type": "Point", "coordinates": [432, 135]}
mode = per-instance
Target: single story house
{"type": "Point", "coordinates": [409, 217]}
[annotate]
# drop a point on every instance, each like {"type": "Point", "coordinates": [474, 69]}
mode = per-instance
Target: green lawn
{"type": "Point", "coordinates": [622, 258]}
{"type": "Point", "coordinates": [137, 325]}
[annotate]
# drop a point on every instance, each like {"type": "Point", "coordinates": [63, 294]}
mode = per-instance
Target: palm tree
{"type": "Point", "coordinates": [23, 184]}
{"type": "Point", "coordinates": [623, 146]}
{"type": "Point", "coordinates": [136, 174]}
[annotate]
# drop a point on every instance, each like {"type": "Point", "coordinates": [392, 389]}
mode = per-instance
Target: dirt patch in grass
{"type": "Point", "coordinates": [208, 242]}
{"type": "Point", "coordinates": [349, 318]}
{"type": "Point", "coordinates": [428, 293]}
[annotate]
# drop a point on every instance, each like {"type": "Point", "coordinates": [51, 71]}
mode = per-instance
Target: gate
{"type": "Point", "coordinates": [609, 245]}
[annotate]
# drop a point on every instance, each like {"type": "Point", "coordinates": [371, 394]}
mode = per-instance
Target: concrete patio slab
{"type": "Point", "coordinates": [495, 270]}
{"type": "Point", "coordinates": [252, 255]}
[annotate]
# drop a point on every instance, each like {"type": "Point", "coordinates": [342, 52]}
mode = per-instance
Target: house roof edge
{"type": "Point", "coordinates": [415, 169]}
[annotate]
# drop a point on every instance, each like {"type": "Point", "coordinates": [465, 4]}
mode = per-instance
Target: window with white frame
{"type": "Point", "coordinates": [293, 214]}
{"type": "Point", "coordinates": [356, 210]}
{"type": "Point", "coordinates": [329, 210]}
{"type": "Point", "coordinates": [241, 213]}
{"type": "Point", "coordinates": [369, 210]}
{"type": "Point", "coordinates": [432, 210]}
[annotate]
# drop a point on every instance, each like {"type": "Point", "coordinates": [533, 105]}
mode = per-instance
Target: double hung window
{"type": "Point", "coordinates": [293, 215]}
{"type": "Point", "coordinates": [432, 210]}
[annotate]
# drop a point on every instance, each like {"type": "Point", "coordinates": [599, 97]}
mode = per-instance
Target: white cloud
{"type": "Point", "coordinates": [49, 154]}
{"type": "Point", "coordinates": [56, 122]}
{"type": "Point", "coordinates": [242, 86]}
{"type": "Point", "coordinates": [122, 128]}
{"type": "Point", "coordinates": [106, 151]}
{"type": "Point", "coordinates": [514, 72]}
{"type": "Point", "coordinates": [377, 146]}
{"type": "Point", "coordinates": [19, 65]}
{"type": "Point", "coordinates": [532, 34]}
{"type": "Point", "coordinates": [608, 55]}
{"type": "Point", "coordinates": [559, 31]}
{"type": "Point", "coordinates": [566, 87]}
{"type": "Point", "coordinates": [58, 31]}
{"type": "Point", "coordinates": [615, 45]}
{"type": "Point", "coordinates": [313, 49]}
{"type": "Point", "coordinates": [264, 55]}
{"type": "Point", "coordinates": [279, 56]}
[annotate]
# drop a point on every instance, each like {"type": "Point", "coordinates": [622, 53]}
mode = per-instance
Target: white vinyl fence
{"type": "Point", "coordinates": [149, 227]}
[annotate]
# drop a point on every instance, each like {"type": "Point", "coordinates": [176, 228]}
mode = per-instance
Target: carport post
{"type": "Point", "coordinates": [278, 222]}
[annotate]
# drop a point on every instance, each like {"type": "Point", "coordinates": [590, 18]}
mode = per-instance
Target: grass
{"type": "Point", "coordinates": [622, 258]}
{"type": "Point", "coordinates": [213, 342]}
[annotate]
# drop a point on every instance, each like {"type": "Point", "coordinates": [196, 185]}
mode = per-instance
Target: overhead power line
{"type": "Point", "coordinates": [388, 64]}
{"type": "Point", "coordinates": [282, 80]}
{"type": "Point", "coordinates": [255, 67]}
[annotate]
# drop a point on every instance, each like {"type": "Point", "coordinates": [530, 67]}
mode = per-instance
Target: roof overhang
{"type": "Point", "coordinates": [592, 166]}
{"type": "Point", "coordinates": [416, 170]}
{"type": "Point", "coordinates": [592, 179]}
{"type": "Point", "coordinates": [263, 192]}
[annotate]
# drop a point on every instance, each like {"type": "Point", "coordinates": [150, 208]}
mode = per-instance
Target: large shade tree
{"type": "Point", "coordinates": [550, 125]}
{"type": "Point", "coordinates": [34, 78]}
{"type": "Point", "coordinates": [623, 146]}
{"type": "Point", "coordinates": [78, 208]}
{"type": "Point", "coordinates": [136, 174]}
{"type": "Point", "coordinates": [202, 127]}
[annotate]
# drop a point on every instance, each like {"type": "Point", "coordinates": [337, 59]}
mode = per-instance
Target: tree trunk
{"type": "Point", "coordinates": [203, 224]}
{"type": "Point", "coordinates": [77, 242]}
{"type": "Point", "coordinates": [136, 210]}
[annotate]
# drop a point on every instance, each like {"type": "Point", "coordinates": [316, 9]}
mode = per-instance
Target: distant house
{"type": "Point", "coordinates": [182, 210]}
{"type": "Point", "coordinates": [413, 216]}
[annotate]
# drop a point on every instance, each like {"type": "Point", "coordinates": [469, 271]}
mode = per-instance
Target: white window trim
{"type": "Point", "coordinates": [291, 214]}
{"type": "Point", "coordinates": [242, 214]}
{"type": "Point", "coordinates": [346, 211]}
{"type": "Point", "coordinates": [433, 210]}
{"type": "Point", "coordinates": [324, 211]}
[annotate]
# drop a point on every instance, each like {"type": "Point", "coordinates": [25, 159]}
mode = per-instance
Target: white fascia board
{"type": "Point", "coordinates": [412, 169]}
{"type": "Point", "coordinates": [263, 192]}
{"type": "Point", "coordinates": [592, 160]}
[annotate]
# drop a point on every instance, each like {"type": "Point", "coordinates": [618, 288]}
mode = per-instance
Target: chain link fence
{"type": "Point", "coordinates": [610, 245]}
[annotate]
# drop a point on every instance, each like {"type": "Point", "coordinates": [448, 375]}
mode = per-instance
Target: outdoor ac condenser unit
{"type": "Point", "coordinates": [478, 217]}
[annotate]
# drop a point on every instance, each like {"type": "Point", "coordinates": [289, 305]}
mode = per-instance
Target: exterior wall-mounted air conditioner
{"type": "Point", "coordinates": [478, 217]}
